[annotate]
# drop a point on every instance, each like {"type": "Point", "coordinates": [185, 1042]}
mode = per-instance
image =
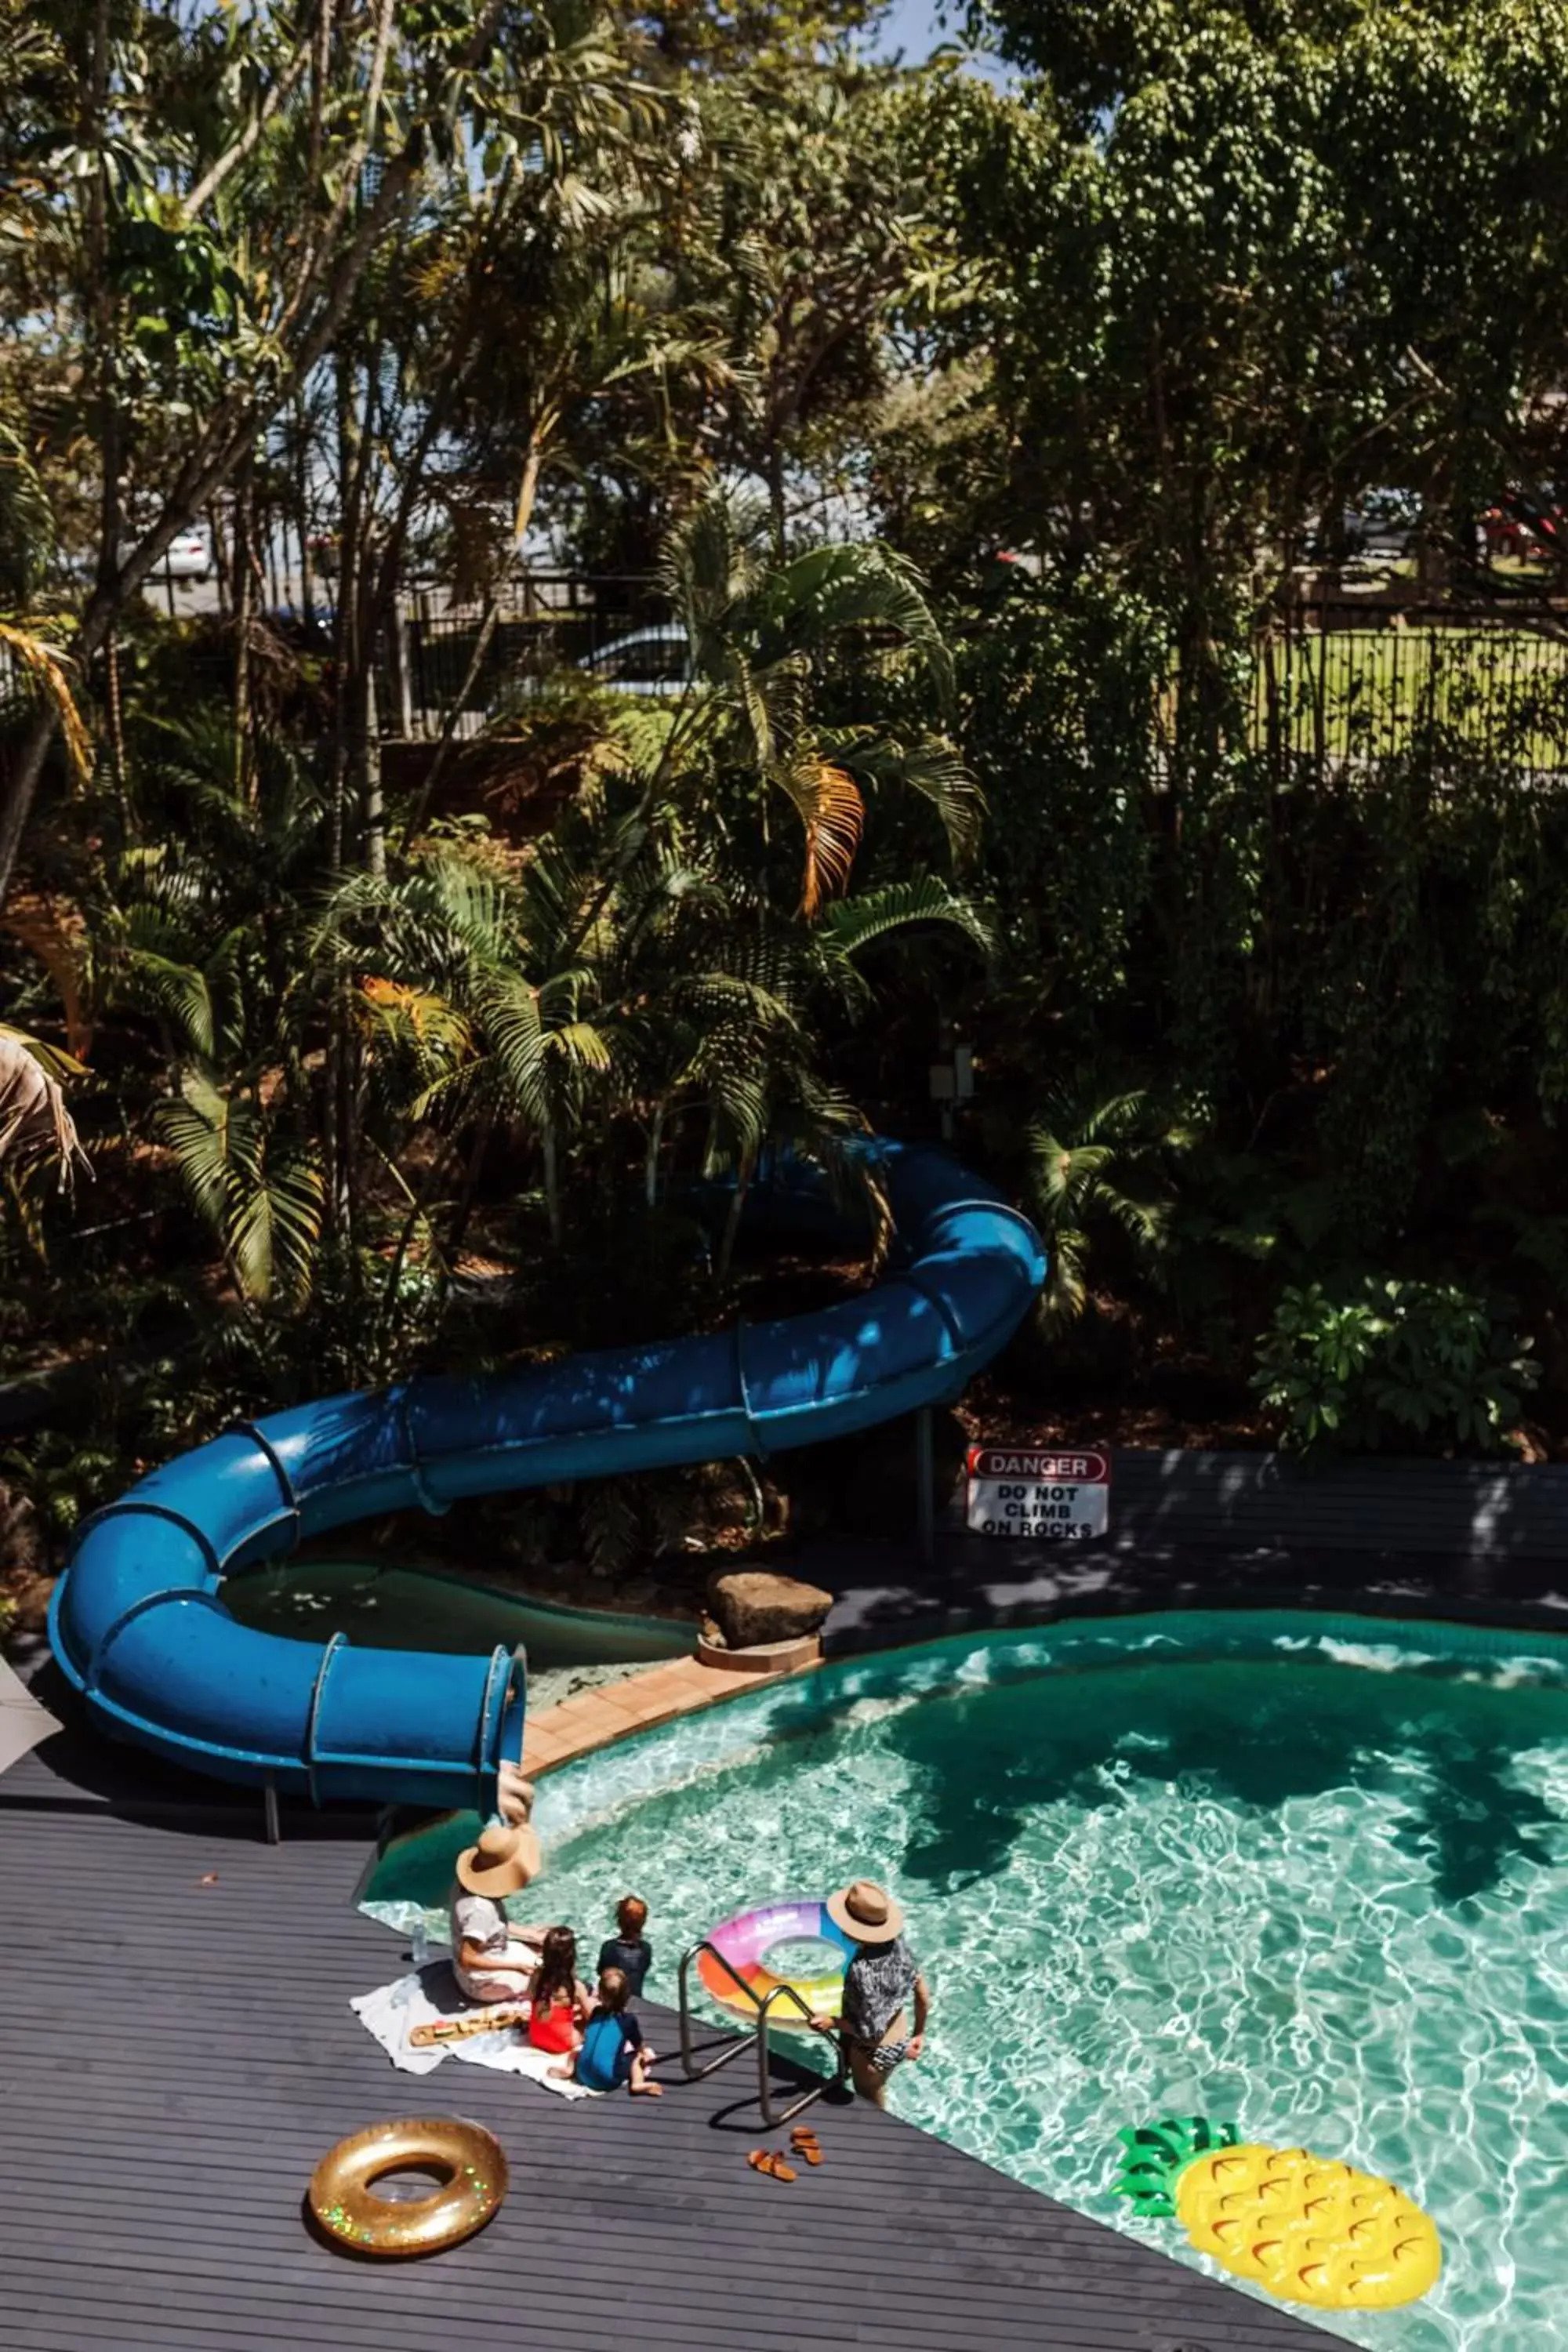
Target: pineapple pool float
{"type": "Point", "coordinates": [1304, 2226]}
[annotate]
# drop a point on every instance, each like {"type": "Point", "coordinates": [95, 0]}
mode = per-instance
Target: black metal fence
{"type": "Point", "coordinates": [1338, 687]}
{"type": "Point", "coordinates": [553, 625]}
{"type": "Point", "coordinates": [1341, 687]}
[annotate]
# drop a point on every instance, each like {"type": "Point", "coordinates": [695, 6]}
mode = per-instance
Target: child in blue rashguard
{"type": "Point", "coordinates": [614, 2050]}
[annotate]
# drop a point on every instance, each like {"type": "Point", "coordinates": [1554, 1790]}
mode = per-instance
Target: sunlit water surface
{"type": "Point", "coordinates": [1316, 1881]}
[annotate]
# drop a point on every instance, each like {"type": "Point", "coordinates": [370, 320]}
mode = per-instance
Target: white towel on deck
{"type": "Point", "coordinates": [424, 1995]}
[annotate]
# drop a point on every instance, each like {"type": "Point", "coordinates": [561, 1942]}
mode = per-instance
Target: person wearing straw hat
{"type": "Point", "coordinates": [491, 1959]}
{"type": "Point", "coordinates": [878, 1985]}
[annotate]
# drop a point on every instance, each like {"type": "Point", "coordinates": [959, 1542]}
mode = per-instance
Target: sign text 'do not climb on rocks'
{"type": "Point", "coordinates": [1056, 1496]}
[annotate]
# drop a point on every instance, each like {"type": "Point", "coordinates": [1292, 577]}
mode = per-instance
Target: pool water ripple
{"type": "Point", "coordinates": [1269, 1883]}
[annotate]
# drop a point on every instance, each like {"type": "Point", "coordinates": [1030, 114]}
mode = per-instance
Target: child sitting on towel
{"type": "Point", "coordinates": [630, 1950]}
{"type": "Point", "coordinates": [611, 2051]}
{"type": "Point", "coordinates": [560, 2004]}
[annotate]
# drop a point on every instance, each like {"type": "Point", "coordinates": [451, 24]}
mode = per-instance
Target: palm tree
{"type": "Point", "coordinates": [1098, 1162]}
{"type": "Point", "coordinates": [759, 633]}
{"type": "Point", "coordinates": [203, 931]}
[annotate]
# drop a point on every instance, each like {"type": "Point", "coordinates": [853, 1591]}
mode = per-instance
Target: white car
{"type": "Point", "coordinates": [189, 557]}
{"type": "Point", "coordinates": [650, 661]}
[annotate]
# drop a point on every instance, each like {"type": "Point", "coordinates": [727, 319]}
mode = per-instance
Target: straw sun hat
{"type": "Point", "coordinates": [867, 1912]}
{"type": "Point", "coordinates": [502, 1863]}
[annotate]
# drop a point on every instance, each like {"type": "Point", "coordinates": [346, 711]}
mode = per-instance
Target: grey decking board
{"type": "Point", "coordinates": [646, 2225]}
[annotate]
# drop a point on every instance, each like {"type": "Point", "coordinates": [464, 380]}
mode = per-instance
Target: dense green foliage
{"type": "Point", "coordinates": [1268, 999]}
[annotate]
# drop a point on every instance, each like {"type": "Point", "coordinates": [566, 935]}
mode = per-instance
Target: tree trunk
{"type": "Point", "coordinates": [221, 566]}
{"type": "Point", "coordinates": [465, 1208]}
{"type": "Point", "coordinates": [244, 612]}
{"type": "Point", "coordinates": [650, 1163]}
{"type": "Point", "coordinates": [21, 789]}
{"type": "Point", "coordinates": [368, 750]}
{"type": "Point", "coordinates": [732, 1233]}
{"type": "Point", "coordinates": [777, 507]}
{"type": "Point", "coordinates": [116, 709]}
{"type": "Point", "coordinates": [552, 1188]}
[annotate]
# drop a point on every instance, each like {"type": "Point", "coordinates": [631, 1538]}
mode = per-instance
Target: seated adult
{"type": "Point", "coordinates": [492, 1960]}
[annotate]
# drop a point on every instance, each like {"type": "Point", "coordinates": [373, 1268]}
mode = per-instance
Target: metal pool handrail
{"type": "Point", "coordinates": [759, 2035]}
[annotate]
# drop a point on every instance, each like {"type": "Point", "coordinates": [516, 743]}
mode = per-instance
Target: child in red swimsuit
{"type": "Point", "coordinates": [560, 2004]}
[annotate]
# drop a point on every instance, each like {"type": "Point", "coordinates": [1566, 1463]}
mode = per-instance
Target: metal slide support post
{"type": "Point", "coordinates": [269, 1810]}
{"type": "Point", "coordinates": [925, 1486]}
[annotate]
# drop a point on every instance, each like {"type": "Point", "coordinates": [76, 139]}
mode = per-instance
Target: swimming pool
{"type": "Point", "coordinates": [1309, 1873]}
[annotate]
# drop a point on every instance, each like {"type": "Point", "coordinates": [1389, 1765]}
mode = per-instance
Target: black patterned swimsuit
{"type": "Point", "coordinates": [877, 1985]}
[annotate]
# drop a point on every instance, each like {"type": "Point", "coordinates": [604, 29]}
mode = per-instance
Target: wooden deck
{"type": "Point", "coordinates": [175, 2056]}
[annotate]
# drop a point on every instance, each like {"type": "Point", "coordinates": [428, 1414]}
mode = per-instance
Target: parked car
{"type": "Point", "coordinates": [656, 661]}
{"type": "Point", "coordinates": [189, 557]}
{"type": "Point", "coordinates": [1384, 527]}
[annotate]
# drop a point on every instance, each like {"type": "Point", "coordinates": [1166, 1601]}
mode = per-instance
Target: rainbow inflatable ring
{"type": "Point", "coordinates": [751, 1941]}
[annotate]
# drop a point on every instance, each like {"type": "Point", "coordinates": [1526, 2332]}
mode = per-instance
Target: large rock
{"type": "Point", "coordinates": [751, 1606]}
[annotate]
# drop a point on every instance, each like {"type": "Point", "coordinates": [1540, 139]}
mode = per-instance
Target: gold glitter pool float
{"type": "Point", "coordinates": [347, 2206]}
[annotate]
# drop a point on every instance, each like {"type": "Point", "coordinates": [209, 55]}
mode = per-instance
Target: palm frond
{"type": "Point", "coordinates": [821, 594]}
{"type": "Point", "coordinates": [274, 1225]}
{"type": "Point", "coordinates": [929, 766]}
{"type": "Point", "coordinates": [27, 519]}
{"type": "Point", "coordinates": [46, 672]}
{"type": "Point", "coordinates": [180, 992]}
{"type": "Point", "coordinates": [34, 1124]}
{"type": "Point", "coordinates": [855, 924]}
{"type": "Point", "coordinates": [1086, 1158]}
{"type": "Point", "coordinates": [56, 933]}
{"type": "Point", "coordinates": [262, 1200]}
{"type": "Point", "coordinates": [828, 801]}
{"type": "Point", "coordinates": [418, 1018]}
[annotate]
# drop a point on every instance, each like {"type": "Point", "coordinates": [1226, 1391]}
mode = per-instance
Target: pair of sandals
{"type": "Point", "coordinates": [774, 2162]}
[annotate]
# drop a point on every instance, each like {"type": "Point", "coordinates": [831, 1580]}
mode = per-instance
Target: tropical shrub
{"type": "Point", "coordinates": [1098, 1165]}
{"type": "Point", "coordinates": [1387, 1363]}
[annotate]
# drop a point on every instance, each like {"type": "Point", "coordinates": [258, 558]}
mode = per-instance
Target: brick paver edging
{"type": "Point", "coordinates": [596, 1718]}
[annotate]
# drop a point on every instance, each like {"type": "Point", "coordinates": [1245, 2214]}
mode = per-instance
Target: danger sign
{"type": "Point", "coordinates": [1049, 1498]}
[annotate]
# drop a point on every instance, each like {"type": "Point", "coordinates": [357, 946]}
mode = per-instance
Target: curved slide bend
{"type": "Point", "coordinates": [139, 1624]}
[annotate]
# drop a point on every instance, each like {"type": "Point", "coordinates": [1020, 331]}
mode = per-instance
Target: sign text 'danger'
{"type": "Point", "coordinates": [1026, 1462]}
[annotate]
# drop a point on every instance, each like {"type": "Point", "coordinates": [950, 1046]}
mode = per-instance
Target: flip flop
{"type": "Point", "coordinates": [805, 2143]}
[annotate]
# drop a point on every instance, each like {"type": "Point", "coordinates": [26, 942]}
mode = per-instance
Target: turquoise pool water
{"type": "Point", "coordinates": [1311, 1873]}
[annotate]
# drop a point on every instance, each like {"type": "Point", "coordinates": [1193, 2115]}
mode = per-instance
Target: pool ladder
{"type": "Point", "coordinates": [758, 2038]}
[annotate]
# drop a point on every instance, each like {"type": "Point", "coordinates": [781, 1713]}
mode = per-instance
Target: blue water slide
{"type": "Point", "coordinates": [138, 1622]}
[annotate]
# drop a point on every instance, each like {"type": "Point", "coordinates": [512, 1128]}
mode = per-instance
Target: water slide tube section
{"type": "Point", "coordinates": [138, 1621]}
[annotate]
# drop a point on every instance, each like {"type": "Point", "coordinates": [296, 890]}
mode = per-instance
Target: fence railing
{"type": "Point", "coordinates": [1340, 687]}
{"type": "Point", "coordinates": [552, 623]}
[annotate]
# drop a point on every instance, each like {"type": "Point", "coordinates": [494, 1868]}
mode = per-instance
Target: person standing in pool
{"type": "Point", "coordinates": [880, 1984]}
